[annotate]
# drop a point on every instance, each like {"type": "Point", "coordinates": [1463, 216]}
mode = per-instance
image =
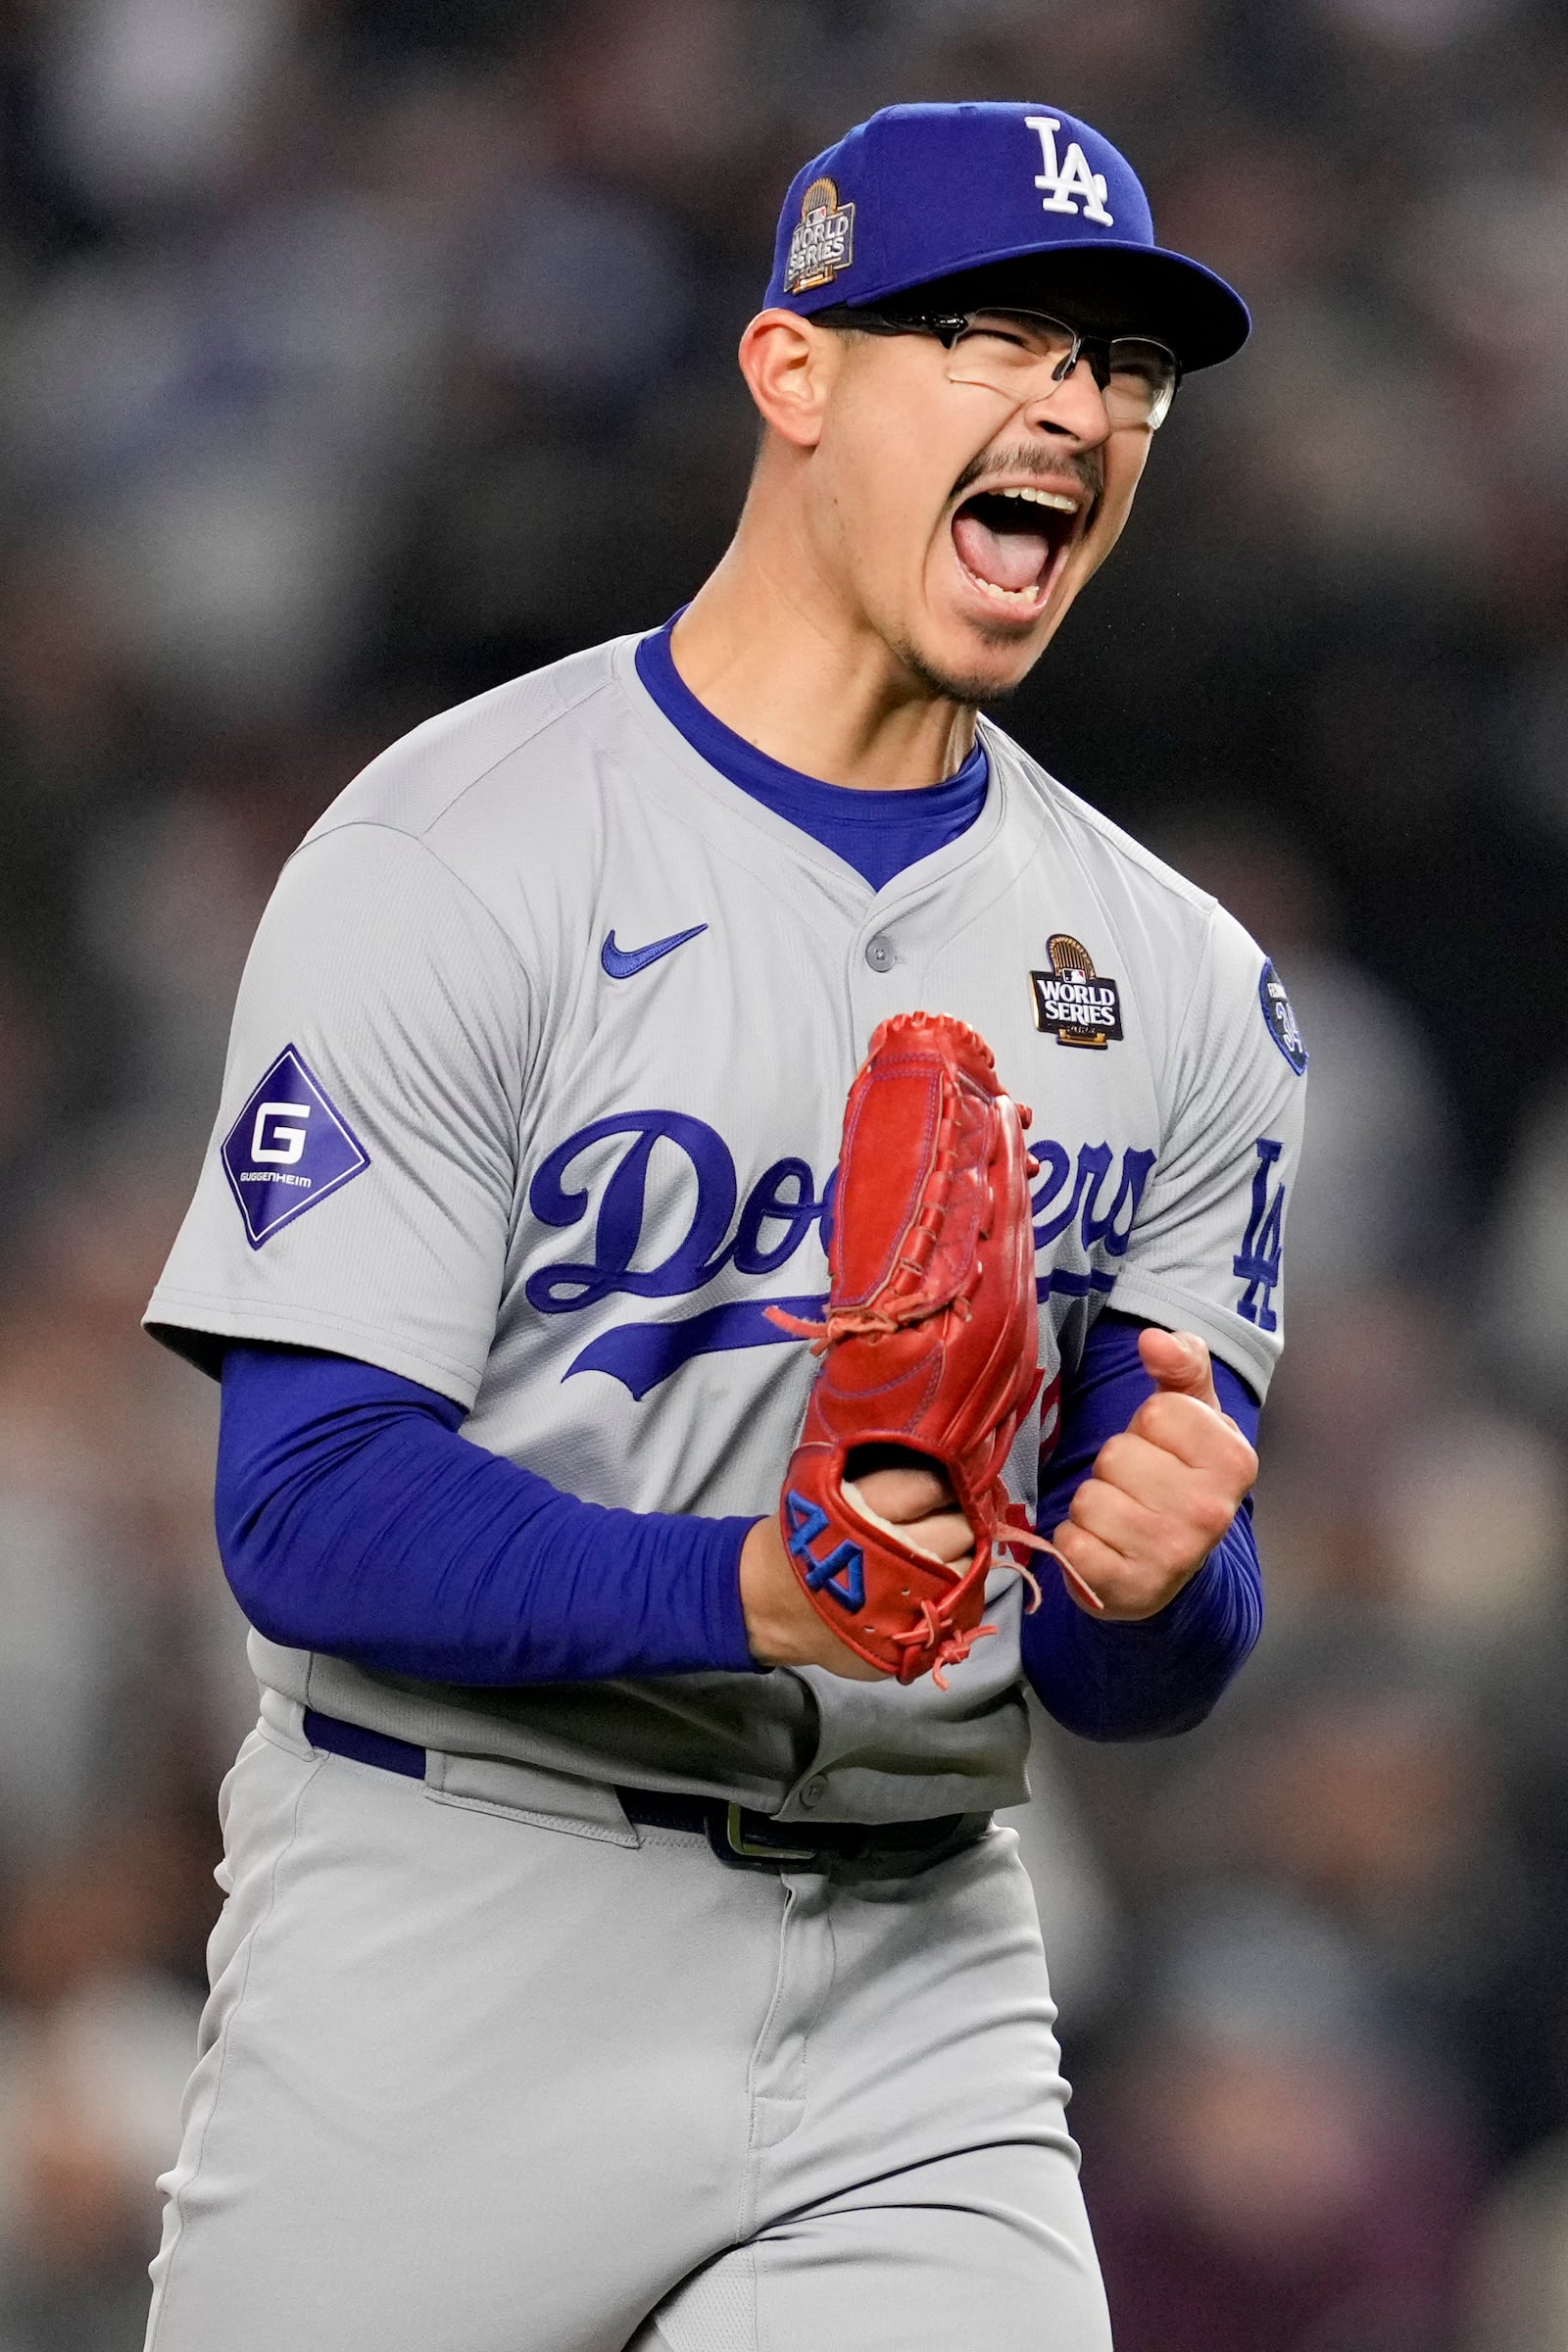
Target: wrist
{"type": "Point", "coordinates": [782, 1626]}
{"type": "Point", "coordinates": [774, 1607]}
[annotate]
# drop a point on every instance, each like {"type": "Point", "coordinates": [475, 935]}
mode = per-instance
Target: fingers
{"type": "Point", "coordinates": [1180, 1362]}
{"type": "Point", "coordinates": [1128, 1585]}
{"type": "Point", "coordinates": [918, 1506]}
{"type": "Point", "coordinates": [1195, 1434]}
{"type": "Point", "coordinates": [907, 1491]}
{"type": "Point", "coordinates": [913, 1496]}
{"type": "Point", "coordinates": [1217, 1469]}
{"type": "Point", "coordinates": [1123, 1594]}
{"type": "Point", "coordinates": [1150, 1474]}
{"type": "Point", "coordinates": [947, 1536]}
{"type": "Point", "coordinates": [1154, 1542]}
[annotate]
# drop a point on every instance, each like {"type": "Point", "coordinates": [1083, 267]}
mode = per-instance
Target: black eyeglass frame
{"type": "Point", "coordinates": [947, 326]}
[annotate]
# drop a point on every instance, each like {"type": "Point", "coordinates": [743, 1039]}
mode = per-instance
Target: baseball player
{"type": "Point", "coordinates": [614, 1955]}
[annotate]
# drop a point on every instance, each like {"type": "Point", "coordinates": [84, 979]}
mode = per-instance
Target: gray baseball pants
{"type": "Point", "coordinates": [486, 2069]}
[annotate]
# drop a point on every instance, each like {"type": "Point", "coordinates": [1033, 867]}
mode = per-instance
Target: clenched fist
{"type": "Point", "coordinates": [1164, 1492]}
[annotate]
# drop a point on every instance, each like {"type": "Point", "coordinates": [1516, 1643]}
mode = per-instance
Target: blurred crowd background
{"type": "Point", "coordinates": [356, 354]}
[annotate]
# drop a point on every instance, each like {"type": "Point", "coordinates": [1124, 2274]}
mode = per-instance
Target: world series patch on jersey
{"type": "Point", "coordinates": [533, 1097]}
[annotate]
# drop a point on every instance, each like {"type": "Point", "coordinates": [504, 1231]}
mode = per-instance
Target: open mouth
{"type": "Point", "coordinates": [1013, 541]}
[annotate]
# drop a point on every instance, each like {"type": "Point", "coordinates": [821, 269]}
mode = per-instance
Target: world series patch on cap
{"type": "Point", "coordinates": [921, 194]}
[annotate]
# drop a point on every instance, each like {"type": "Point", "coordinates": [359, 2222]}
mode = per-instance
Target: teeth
{"type": "Point", "coordinates": [1044, 498]}
{"type": "Point", "coordinates": [1008, 596]}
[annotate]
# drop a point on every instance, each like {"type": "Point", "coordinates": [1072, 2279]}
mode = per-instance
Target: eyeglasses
{"type": "Point", "coordinates": [1025, 354]}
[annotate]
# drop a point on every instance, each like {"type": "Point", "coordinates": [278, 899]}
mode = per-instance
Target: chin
{"type": "Point", "coordinates": [974, 665]}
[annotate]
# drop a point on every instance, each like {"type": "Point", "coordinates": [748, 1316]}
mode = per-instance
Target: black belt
{"type": "Point", "coordinates": [747, 1841]}
{"type": "Point", "coordinates": [741, 1838]}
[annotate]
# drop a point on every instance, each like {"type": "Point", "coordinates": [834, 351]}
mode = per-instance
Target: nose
{"type": "Point", "coordinates": [1075, 409]}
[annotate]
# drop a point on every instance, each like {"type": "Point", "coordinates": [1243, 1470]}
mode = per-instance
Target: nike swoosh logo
{"type": "Point", "coordinates": [621, 963]}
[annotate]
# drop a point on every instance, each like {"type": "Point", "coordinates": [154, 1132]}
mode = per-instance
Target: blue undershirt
{"type": "Point", "coordinates": [354, 1519]}
{"type": "Point", "coordinates": [878, 833]}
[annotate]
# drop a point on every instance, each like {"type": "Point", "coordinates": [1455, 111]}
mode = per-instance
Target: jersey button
{"type": "Point", "coordinates": [879, 954]}
{"type": "Point", "coordinates": [815, 1790]}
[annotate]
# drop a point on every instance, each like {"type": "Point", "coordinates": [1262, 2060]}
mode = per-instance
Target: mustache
{"type": "Point", "coordinates": [1083, 465]}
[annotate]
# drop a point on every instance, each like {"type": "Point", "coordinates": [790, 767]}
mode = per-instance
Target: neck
{"type": "Point", "coordinates": [777, 653]}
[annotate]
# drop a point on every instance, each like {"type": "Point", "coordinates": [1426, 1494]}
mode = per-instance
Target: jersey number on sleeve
{"type": "Point", "coordinates": [1257, 1262]}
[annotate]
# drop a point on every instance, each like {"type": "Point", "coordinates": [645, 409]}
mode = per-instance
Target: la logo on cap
{"type": "Point", "coordinates": [1070, 177]}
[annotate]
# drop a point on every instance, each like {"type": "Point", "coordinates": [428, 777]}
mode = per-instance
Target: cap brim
{"type": "Point", "coordinates": [1121, 288]}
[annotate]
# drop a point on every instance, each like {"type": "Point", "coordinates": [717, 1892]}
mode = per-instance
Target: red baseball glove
{"type": "Point", "coordinates": [930, 1344]}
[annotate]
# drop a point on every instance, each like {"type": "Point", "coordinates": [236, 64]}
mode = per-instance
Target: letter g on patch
{"type": "Point", "coordinates": [289, 1147]}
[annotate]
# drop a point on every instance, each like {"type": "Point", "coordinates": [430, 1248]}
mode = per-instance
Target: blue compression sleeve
{"type": "Point", "coordinates": [352, 1519]}
{"type": "Point", "coordinates": [1151, 1680]}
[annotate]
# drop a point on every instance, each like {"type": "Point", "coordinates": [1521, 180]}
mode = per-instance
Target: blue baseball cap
{"type": "Point", "coordinates": [920, 195]}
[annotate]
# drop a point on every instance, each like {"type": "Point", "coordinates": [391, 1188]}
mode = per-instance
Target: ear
{"type": "Point", "coordinates": [789, 365]}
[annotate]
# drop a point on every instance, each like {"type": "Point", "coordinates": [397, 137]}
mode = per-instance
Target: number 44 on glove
{"type": "Point", "coordinates": [930, 1345]}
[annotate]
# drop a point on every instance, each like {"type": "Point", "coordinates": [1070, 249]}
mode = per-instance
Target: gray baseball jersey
{"type": "Point", "coordinates": [534, 1096]}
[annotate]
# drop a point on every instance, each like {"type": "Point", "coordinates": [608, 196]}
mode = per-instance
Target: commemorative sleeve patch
{"type": "Point", "coordinates": [288, 1148]}
{"type": "Point", "coordinates": [1280, 1019]}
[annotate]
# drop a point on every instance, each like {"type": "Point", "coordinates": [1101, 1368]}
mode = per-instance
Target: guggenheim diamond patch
{"type": "Point", "coordinates": [288, 1148]}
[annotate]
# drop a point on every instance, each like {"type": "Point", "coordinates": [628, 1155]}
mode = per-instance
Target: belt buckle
{"type": "Point", "coordinates": [741, 1847]}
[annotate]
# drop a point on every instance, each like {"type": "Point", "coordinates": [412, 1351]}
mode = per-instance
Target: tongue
{"type": "Point", "coordinates": [1007, 558]}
